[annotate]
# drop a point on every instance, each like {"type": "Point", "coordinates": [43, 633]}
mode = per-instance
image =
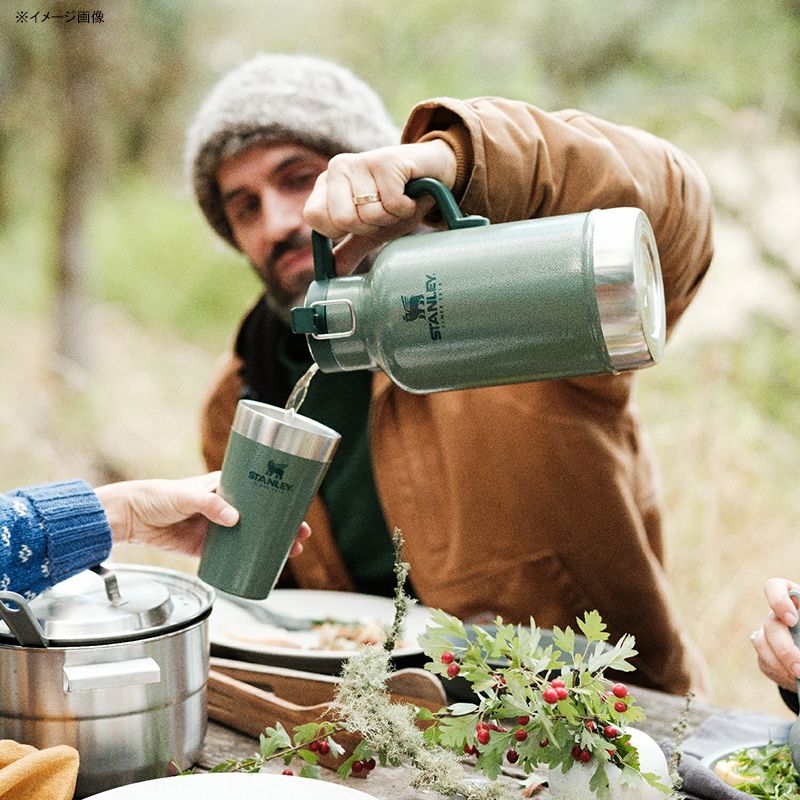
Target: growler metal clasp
{"type": "Point", "coordinates": [341, 334]}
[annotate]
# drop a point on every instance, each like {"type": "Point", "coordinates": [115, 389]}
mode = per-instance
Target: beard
{"type": "Point", "coordinates": [284, 292]}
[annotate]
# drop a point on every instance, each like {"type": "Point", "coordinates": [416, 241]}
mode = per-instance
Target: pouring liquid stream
{"type": "Point", "coordinates": [298, 394]}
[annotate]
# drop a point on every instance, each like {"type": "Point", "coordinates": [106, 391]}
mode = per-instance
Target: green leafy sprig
{"type": "Point", "coordinates": [277, 743]}
{"type": "Point", "coordinates": [518, 717]}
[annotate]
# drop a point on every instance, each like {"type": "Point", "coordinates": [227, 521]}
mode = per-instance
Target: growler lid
{"type": "Point", "coordinates": [328, 318]}
{"type": "Point", "coordinates": [628, 287]}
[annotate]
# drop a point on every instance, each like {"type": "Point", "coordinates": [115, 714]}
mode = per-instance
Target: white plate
{"type": "Point", "coordinates": [238, 785]}
{"type": "Point", "coordinates": [227, 619]}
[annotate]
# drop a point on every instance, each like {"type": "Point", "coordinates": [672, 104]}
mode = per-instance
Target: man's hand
{"type": "Point", "coordinates": [172, 514]}
{"type": "Point", "coordinates": [333, 208]}
{"type": "Point", "coordinates": [778, 656]}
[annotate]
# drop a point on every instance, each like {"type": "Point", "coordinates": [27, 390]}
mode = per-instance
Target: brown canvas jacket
{"type": "Point", "coordinates": [536, 499]}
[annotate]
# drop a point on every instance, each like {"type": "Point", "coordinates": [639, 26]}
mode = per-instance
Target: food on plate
{"type": "Point", "coordinates": [763, 772]}
{"type": "Point", "coordinates": [730, 770]}
{"type": "Point", "coordinates": [323, 635]}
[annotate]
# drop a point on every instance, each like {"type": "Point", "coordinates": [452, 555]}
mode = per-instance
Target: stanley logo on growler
{"type": "Point", "coordinates": [426, 306]}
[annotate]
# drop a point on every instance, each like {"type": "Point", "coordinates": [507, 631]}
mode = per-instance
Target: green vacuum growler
{"type": "Point", "coordinates": [483, 305]}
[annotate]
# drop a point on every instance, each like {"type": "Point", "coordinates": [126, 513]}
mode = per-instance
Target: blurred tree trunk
{"type": "Point", "coordinates": [76, 114]}
{"type": "Point", "coordinates": [18, 64]}
{"type": "Point", "coordinates": [794, 15]}
{"type": "Point", "coordinates": [5, 203]}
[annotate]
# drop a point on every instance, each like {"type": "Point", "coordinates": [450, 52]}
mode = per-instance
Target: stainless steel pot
{"type": "Point", "coordinates": [114, 664]}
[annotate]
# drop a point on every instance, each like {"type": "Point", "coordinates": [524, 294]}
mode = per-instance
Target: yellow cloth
{"type": "Point", "coordinates": [30, 774]}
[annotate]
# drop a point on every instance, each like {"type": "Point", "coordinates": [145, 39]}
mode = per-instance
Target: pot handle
{"type": "Point", "coordinates": [111, 675]}
{"type": "Point", "coordinates": [21, 622]}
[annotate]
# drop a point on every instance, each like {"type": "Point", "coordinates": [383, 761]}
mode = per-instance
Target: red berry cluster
{"type": "Point", "coordinates": [363, 766]}
{"type": "Point", "coordinates": [552, 693]}
{"type": "Point", "coordinates": [620, 690]}
{"type": "Point", "coordinates": [452, 665]}
{"type": "Point", "coordinates": [557, 690]}
{"type": "Point", "coordinates": [483, 732]}
{"type": "Point", "coordinates": [579, 754]}
{"type": "Point", "coordinates": [323, 748]}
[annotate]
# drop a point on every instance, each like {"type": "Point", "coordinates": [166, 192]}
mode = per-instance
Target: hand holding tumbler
{"type": "Point", "coordinates": [274, 464]}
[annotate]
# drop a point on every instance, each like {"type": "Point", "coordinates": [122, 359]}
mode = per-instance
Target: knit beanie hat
{"type": "Point", "coordinates": [281, 98]}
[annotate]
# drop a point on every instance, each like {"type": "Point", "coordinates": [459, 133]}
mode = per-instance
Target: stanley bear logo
{"type": "Point", "coordinates": [426, 306]}
{"type": "Point", "coordinates": [414, 307]}
{"type": "Point", "coordinates": [273, 478]}
{"type": "Point", "coordinates": [276, 469]}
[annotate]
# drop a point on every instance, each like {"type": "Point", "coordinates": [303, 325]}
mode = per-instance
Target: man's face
{"type": "Point", "coordinates": [264, 190]}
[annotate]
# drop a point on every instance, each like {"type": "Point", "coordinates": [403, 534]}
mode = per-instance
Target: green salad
{"type": "Point", "coordinates": [764, 772]}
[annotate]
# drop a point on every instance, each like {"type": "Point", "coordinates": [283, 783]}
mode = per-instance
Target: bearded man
{"type": "Point", "coordinates": [571, 519]}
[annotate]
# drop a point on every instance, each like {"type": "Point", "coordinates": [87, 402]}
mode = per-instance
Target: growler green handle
{"type": "Point", "coordinates": [322, 247]}
{"type": "Point", "coordinates": [445, 202]}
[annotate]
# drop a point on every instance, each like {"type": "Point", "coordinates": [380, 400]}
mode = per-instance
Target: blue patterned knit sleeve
{"type": "Point", "coordinates": [49, 533]}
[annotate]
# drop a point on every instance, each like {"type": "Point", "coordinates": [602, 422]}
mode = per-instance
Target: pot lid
{"type": "Point", "coordinates": [113, 603]}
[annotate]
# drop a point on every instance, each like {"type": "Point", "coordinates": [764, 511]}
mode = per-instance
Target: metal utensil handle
{"type": "Point", "coordinates": [267, 615]}
{"type": "Point", "coordinates": [21, 622]}
{"type": "Point", "coordinates": [322, 247]}
{"type": "Point", "coordinates": [111, 584]}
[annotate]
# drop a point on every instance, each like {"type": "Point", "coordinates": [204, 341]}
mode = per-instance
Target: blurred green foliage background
{"type": "Point", "coordinates": [116, 299]}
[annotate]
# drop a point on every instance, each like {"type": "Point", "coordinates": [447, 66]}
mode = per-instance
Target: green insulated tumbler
{"type": "Point", "coordinates": [483, 305]}
{"type": "Point", "coordinates": [274, 463]}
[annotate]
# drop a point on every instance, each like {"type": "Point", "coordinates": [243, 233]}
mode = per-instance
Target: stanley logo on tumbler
{"type": "Point", "coordinates": [272, 478]}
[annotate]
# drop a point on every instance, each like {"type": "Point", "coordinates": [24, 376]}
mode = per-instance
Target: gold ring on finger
{"type": "Point", "coordinates": [363, 199]}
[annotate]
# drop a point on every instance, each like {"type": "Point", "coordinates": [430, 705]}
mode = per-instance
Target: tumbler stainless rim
{"type": "Point", "coordinates": [628, 287]}
{"type": "Point", "coordinates": [286, 431]}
